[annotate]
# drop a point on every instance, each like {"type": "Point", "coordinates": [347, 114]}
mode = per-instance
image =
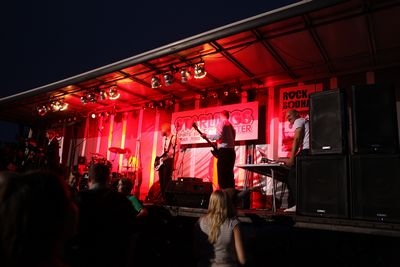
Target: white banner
{"type": "Point", "coordinates": [244, 118]}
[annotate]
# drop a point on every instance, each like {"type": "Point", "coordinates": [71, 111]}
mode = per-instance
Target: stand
{"type": "Point", "coordinates": [277, 171]}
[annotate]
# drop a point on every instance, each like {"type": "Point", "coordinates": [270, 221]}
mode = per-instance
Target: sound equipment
{"type": "Point", "coordinates": [328, 123]}
{"type": "Point", "coordinates": [188, 193]}
{"type": "Point", "coordinates": [322, 186]}
{"type": "Point", "coordinates": [375, 186]}
{"type": "Point", "coordinates": [374, 119]}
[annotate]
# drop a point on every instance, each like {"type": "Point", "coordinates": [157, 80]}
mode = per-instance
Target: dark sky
{"type": "Point", "coordinates": [46, 41]}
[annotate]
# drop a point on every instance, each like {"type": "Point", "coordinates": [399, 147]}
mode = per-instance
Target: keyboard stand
{"type": "Point", "coordinates": [277, 171]}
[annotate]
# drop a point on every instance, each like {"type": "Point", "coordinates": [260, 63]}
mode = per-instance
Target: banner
{"type": "Point", "coordinates": [244, 118]}
{"type": "Point", "coordinates": [292, 98]}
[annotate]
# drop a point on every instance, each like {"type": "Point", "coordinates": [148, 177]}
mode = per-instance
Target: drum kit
{"type": "Point", "coordinates": [130, 161]}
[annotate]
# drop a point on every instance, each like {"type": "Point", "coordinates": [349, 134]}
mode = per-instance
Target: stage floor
{"type": "Point", "coordinates": [299, 221]}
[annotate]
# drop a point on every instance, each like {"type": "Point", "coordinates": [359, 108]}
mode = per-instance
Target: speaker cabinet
{"type": "Point", "coordinates": [188, 193]}
{"type": "Point", "coordinates": [374, 119]}
{"type": "Point", "coordinates": [322, 186]}
{"type": "Point", "coordinates": [375, 184]}
{"type": "Point", "coordinates": [328, 124]}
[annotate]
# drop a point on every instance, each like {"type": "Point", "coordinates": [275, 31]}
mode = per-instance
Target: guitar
{"type": "Point", "coordinates": [214, 150]}
{"type": "Point", "coordinates": [159, 160]}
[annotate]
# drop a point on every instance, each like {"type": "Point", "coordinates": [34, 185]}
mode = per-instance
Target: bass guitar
{"type": "Point", "coordinates": [214, 150]}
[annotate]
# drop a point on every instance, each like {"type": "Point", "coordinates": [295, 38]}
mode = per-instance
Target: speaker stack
{"type": "Point", "coordinates": [322, 177]}
{"type": "Point", "coordinates": [375, 164]}
{"type": "Point", "coordinates": [354, 165]}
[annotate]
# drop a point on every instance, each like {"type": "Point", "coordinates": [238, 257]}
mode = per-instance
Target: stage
{"type": "Point", "coordinates": [298, 221]}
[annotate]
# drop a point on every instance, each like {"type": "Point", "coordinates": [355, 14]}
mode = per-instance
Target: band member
{"type": "Point", "coordinates": [164, 163]}
{"type": "Point", "coordinates": [225, 137]}
{"type": "Point", "coordinates": [52, 150]}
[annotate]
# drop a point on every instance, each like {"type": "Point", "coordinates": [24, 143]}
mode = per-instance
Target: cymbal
{"type": "Point", "coordinates": [97, 155]}
{"type": "Point", "coordinates": [117, 150]}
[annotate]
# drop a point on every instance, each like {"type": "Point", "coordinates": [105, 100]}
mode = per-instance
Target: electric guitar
{"type": "Point", "coordinates": [214, 150]}
{"type": "Point", "coordinates": [159, 160]}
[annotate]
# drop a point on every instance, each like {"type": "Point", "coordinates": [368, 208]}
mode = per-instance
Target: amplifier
{"type": "Point", "coordinates": [188, 192]}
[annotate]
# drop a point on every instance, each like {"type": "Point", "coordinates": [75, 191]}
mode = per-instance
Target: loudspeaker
{"type": "Point", "coordinates": [375, 184]}
{"type": "Point", "coordinates": [374, 119]}
{"type": "Point", "coordinates": [188, 193]}
{"type": "Point", "coordinates": [328, 123]}
{"type": "Point", "coordinates": [322, 186]}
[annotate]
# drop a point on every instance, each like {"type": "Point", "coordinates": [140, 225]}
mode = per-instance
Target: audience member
{"type": "Point", "coordinates": [218, 233]}
{"type": "Point", "coordinates": [106, 225]}
{"type": "Point", "coordinates": [37, 219]}
{"type": "Point", "coordinates": [125, 186]}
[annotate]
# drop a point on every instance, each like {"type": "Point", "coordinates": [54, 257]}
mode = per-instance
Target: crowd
{"type": "Point", "coordinates": [46, 220]}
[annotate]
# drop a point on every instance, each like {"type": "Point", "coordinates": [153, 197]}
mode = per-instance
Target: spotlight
{"type": "Point", "coordinates": [113, 93]}
{"type": "Point", "coordinates": [103, 95]}
{"type": "Point", "coordinates": [84, 99]}
{"type": "Point", "coordinates": [93, 115]}
{"type": "Point", "coordinates": [185, 75]}
{"type": "Point", "coordinates": [58, 105]}
{"type": "Point", "coordinates": [42, 110]}
{"type": "Point", "coordinates": [168, 79]}
{"type": "Point", "coordinates": [155, 82]}
{"type": "Point", "coordinates": [199, 71]}
{"type": "Point", "coordinates": [91, 97]}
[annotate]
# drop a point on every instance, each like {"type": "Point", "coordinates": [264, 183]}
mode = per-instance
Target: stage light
{"type": "Point", "coordinates": [185, 75]}
{"type": "Point", "coordinates": [58, 105]}
{"type": "Point", "coordinates": [103, 95]}
{"type": "Point", "coordinates": [84, 99]}
{"type": "Point", "coordinates": [168, 79]}
{"type": "Point", "coordinates": [42, 110]}
{"type": "Point", "coordinates": [113, 93]}
{"type": "Point", "coordinates": [199, 70]}
{"type": "Point", "coordinates": [155, 82]}
{"type": "Point", "coordinates": [91, 97]}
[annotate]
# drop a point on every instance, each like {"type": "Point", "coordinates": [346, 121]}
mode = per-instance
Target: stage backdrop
{"type": "Point", "coordinates": [292, 98]}
{"type": "Point", "coordinates": [244, 118]}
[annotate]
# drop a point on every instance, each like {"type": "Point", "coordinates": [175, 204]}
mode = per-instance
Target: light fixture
{"type": "Point", "coordinates": [58, 105]}
{"type": "Point", "coordinates": [168, 79]}
{"type": "Point", "coordinates": [155, 82]}
{"type": "Point", "coordinates": [42, 110]}
{"type": "Point", "coordinates": [185, 75]}
{"type": "Point", "coordinates": [91, 97]}
{"type": "Point", "coordinates": [199, 71]}
{"type": "Point", "coordinates": [113, 93]}
{"type": "Point", "coordinates": [84, 99]}
{"type": "Point", "coordinates": [103, 95]}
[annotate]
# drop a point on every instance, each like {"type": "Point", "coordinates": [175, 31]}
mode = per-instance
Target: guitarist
{"type": "Point", "coordinates": [225, 136]}
{"type": "Point", "coordinates": [165, 162]}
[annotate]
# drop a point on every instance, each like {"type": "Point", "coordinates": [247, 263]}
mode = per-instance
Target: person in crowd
{"type": "Point", "coordinates": [166, 161]}
{"type": "Point", "coordinates": [225, 137]}
{"type": "Point", "coordinates": [73, 181]}
{"type": "Point", "coordinates": [37, 219]}
{"type": "Point", "coordinates": [125, 187]}
{"type": "Point", "coordinates": [300, 147]}
{"type": "Point", "coordinates": [52, 151]}
{"type": "Point", "coordinates": [218, 238]}
{"type": "Point", "coordinates": [106, 225]}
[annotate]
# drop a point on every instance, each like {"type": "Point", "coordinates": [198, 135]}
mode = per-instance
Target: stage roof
{"type": "Point", "coordinates": [305, 41]}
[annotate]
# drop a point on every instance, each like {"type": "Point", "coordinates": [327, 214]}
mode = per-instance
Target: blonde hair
{"type": "Point", "coordinates": [220, 208]}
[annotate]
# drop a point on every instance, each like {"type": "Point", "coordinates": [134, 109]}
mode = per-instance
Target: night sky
{"type": "Point", "coordinates": [46, 41]}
